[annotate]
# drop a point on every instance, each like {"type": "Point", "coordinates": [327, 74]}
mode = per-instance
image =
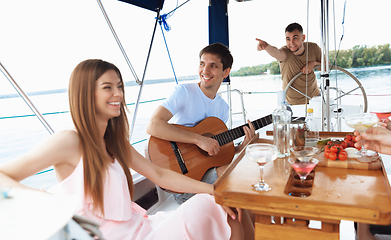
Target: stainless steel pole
{"type": "Point", "coordinates": [26, 98]}
{"type": "Point", "coordinates": [118, 42]}
{"type": "Point", "coordinates": [325, 65]}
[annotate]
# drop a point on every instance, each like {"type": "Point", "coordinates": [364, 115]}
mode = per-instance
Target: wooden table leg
{"type": "Point", "coordinates": [293, 228]}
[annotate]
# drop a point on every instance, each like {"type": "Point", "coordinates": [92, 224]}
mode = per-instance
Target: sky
{"type": "Point", "coordinates": [42, 41]}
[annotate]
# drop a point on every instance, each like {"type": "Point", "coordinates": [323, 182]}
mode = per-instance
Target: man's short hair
{"type": "Point", "coordinates": [293, 26]}
{"type": "Point", "coordinates": [221, 51]}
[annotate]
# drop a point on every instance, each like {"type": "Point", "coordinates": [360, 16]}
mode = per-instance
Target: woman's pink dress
{"type": "Point", "coordinates": [199, 218]}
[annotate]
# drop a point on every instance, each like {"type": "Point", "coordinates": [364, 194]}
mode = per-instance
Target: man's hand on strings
{"type": "Point", "coordinates": [249, 132]}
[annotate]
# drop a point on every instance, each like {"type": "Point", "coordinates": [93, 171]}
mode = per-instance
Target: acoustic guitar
{"type": "Point", "coordinates": [192, 161]}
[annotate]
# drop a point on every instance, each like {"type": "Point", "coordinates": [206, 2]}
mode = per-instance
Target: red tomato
{"type": "Point", "coordinates": [333, 156]}
{"type": "Point", "coordinates": [327, 147]}
{"type": "Point", "coordinates": [343, 155]}
{"type": "Point", "coordinates": [326, 153]}
{"type": "Point", "coordinates": [349, 137]}
{"type": "Point", "coordinates": [337, 143]}
{"type": "Point", "coordinates": [344, 145]}
{"type": "Point", "coordinates": [351, 144]}
{"type": "Point", "coordinates": [354, 138]}
{"type": "Point", "coordinates": [334, 149]}
{"type": "Point", "coordinates": [330, 143]}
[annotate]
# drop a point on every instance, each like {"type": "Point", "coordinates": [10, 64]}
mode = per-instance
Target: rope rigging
{"type": "Point", "coordinates": [343, 32]}
{"type": "Point", "coordinates": [339, 46]}
{"type": "Point", "coordinates": [162, 19]}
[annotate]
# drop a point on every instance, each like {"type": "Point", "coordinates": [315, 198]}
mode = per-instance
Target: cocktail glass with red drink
{"type": "Point", "coordinates": [383, 112]}
{"type": "Point", "coordinates": [303, 168]}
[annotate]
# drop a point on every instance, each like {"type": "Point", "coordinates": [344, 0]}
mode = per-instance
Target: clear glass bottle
{"type": "Point", "coordinates": [281, 126]}
{"type": "Point", "coordinates": [311, 131]}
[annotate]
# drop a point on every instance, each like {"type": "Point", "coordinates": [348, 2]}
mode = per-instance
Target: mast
{"type": "Point", "coordinates": [325, 65]}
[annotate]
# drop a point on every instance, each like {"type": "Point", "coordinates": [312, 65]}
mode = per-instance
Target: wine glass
{"type": "Point", "coordinates": [261, 153]}
{"type": "Point", "coordinates": [362, 122]}
{"type": "Point", "coordinates": [303, 168]}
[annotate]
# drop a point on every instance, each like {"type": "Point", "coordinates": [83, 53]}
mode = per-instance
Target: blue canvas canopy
{"type": "Point", "coordinates": [153, 5]}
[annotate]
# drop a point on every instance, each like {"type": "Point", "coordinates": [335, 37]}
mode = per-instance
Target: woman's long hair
{"type": "Point", "coordinates": [82, 106]}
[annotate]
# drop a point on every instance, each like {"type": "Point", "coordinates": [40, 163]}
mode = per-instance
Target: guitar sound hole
{"type": "Point", "coordinates": [202, 151]}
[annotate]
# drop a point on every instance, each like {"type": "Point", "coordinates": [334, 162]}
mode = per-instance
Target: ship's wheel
{"type": "Point", "coordinates": [351, 92]}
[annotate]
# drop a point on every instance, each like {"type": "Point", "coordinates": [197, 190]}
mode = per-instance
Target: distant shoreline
{"type": "Point", "coordinates": [255, 70]}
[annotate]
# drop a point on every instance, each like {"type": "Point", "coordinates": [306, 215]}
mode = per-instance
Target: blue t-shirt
{"type": "Point", "coordinates": [189, 105]}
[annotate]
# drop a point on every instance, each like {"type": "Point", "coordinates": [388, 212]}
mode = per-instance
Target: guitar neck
{"type": "Point", "coordinates": [229, 136]}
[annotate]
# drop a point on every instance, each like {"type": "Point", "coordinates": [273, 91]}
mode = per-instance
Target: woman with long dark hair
{"type": "Point", "coordinates": [93, 161]}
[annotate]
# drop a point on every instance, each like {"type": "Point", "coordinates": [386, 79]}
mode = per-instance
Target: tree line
{"type": "Point", "coordinates": [358, 56]}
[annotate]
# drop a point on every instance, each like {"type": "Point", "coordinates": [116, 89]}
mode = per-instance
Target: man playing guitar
{"type": "Point", "coordinates": [191, 103]}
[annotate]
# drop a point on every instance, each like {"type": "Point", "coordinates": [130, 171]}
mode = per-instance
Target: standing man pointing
{"type": "Point", "coordinates": [293, 58]}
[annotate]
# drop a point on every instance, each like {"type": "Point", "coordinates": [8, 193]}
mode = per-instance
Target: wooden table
{"type": "Point", "coordinates": [337, 194]}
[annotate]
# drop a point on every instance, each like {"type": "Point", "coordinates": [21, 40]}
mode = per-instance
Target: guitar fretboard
{"type": "Point", "coordinates": [229, 136]}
